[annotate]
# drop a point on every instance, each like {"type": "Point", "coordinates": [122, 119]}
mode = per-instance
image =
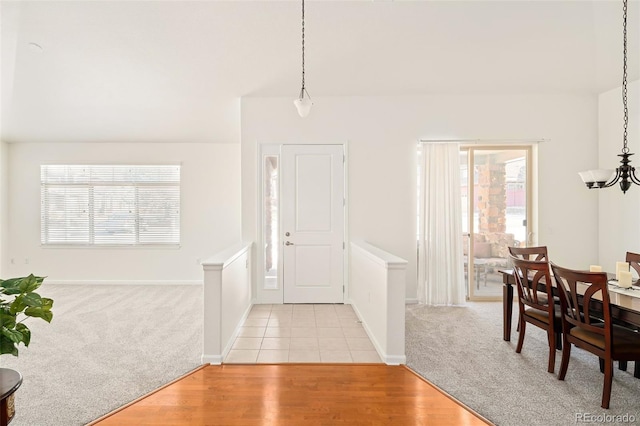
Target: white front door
{"type": "Point", "coordinates": [313, 223]}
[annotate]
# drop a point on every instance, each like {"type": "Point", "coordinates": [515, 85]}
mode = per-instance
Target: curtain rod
{"type": "Point", "coordinates": [483, 141]}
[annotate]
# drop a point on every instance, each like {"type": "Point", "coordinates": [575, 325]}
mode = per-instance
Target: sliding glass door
{"type": "Point", "coordinates": [496, 213]}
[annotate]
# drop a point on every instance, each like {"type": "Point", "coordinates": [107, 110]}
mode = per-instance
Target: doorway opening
{"type": "Point", "coordinates": [496, 213]}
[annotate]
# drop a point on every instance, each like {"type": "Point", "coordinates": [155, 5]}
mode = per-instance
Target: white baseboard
{"type": "Point", "coordinates": [211, 359]}
{"type": "Point", "coordinates": [123, 282]}
{"type": "Point", "coordinates": [395, 360]}
{"type": "Point", "coordinates": [386, 358]}
{"type": "Point", "coordinates": [236, 331]}
{"type": "Point", "coordinates": [411, 301]}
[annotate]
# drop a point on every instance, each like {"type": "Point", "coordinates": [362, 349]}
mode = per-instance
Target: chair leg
{"type": "Point", "coordinates": [558, 340]}
{"type": "Point", "coordinates": [608, 379]}
{"type": "Point", "coordinates": [636, 369]}
{"type": "Point", "coordinates": [552, 351]}
{"type": "Point", "coordinates": [622, 365]}
{"type": "Point", "coordinates": [521, 336]}
{"type": "Point", "coordinates": [601, 365]}
{"type": "Point", "coordinates": [564, 364]}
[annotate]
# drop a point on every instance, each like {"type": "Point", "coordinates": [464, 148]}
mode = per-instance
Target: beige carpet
{"type": "Point", "coordinates": [461, 350]}
{"type": "Point", "coordinates": [106, 346]}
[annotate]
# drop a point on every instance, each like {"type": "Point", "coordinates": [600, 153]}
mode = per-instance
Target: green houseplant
{"type": "Point", "coordinates": [18, 301]}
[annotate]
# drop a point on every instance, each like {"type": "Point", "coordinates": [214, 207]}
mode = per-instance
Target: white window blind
{"type": "Point", "coordinates": [110, 204]}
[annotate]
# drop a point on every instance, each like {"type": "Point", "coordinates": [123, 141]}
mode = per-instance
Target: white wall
{"type": "Point", "coordinates": [210, 217]}
{"type": "Point", "coordinates": [376, 291]}
{"type": "Point", "coordinates": [382, 133]}
{"type": "Point", "coordinates": [226, 300]}
{"type": "Point", "coordinates": [618, 225]}
{"type": "Point", "coordinates": [4, 216]}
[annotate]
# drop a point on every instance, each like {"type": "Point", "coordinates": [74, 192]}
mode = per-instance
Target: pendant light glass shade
{"type": "Point", "coordinates": [602, 175]}
{"type": "Point", "coordinates": [303, 105]}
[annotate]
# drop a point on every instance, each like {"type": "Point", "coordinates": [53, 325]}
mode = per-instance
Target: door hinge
{"type": "Point", "coordinates": [343, 246]}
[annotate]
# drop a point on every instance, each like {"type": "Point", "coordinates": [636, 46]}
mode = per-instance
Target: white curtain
{"type": "Point", "coordinates": [440, 256]}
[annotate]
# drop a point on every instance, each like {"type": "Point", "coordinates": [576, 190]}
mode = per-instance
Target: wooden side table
{"type": "Point", "coordinates": [10, 381]}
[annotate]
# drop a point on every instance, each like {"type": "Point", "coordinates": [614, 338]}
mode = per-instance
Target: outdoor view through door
{"type": "Point", "coordinates": [497, 192]}
{"type": "Point", "coordinates": [303, 223]}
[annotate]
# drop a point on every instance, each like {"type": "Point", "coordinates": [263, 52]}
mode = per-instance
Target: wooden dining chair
{"type": "Point", "coordinates": [634, 261]}
{"type": "Point", "coordinates": [530, 253]}
{"type": "Point", "coordinates": [599, 336]}
{"type": "Point", "coordinates": [534, 283]}
{"type": "Point", "coordinates": [534, 253]}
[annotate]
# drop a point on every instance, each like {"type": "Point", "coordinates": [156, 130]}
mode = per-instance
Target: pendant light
{"type": "Point", "coordinates": [303, 104]}
{"type": "Point", "coordinates": [625, 174]}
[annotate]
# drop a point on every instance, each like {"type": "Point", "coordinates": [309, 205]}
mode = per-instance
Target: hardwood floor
{"type": "Point", "coordinates": [296, 394]}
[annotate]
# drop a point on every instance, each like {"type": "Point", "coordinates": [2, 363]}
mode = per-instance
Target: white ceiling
{"type": "Point", "coordinates": [174, 71]}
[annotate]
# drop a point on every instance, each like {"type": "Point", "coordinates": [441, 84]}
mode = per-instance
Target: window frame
{"type": "Point", "coordinates": [170, 238]}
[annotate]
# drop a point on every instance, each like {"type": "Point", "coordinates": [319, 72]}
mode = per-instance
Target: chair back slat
{"type": "Point", "coordinates": [533, 277]}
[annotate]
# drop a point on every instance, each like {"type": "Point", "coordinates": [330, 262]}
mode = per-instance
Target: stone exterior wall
{"type": "Point", "coordinates": [492, 198]}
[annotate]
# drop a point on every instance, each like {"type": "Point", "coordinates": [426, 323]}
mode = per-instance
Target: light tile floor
{"type": "Point", "coordinates": [302, 333]}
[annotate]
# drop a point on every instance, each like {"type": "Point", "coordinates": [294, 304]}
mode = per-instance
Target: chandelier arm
{"type": "Point", "coordinates": [613, 181]}
{"type": "Point", "coordinates": [633, 177]}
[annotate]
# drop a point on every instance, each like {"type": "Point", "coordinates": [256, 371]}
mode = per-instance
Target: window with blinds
{"type": "Point", "coordinates": [110, 204]}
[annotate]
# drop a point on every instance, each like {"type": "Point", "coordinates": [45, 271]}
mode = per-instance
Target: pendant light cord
{"type": "Point", "coordinates": [303, 89]}
{"type": "Point", "coordinates": [625, 149]}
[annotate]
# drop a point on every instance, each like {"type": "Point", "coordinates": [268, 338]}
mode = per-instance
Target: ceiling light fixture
{"type": "Point", "coordinates": [303, 105]}
{"type": "Point", "coordinates": [625, 173]}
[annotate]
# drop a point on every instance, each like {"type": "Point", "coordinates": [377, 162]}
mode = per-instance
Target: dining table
{"type": "Point", "coordinates": [624, 303]}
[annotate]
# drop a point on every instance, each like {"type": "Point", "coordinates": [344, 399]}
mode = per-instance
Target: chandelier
{"type": "Point", "coordinates": [303, 105]}
{"type": "Point", "coordinates": [625, 174]}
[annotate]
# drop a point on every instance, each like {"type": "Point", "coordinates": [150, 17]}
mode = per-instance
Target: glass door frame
{"type": "Point", "coordinates": [529, 210]}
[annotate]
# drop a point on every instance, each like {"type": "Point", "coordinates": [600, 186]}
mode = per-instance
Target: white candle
{"type": "Point", "coordinates": [595, 268]}
{"type": "Point", "coordinates": [621, 266]}
{"type": "Point", "coordinates": [625, 279]}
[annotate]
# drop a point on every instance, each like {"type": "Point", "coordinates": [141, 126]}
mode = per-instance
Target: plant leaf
{"type": "Point", "coordinates": [7, 320]}
{"type": "Point", "coordinates": [30, 283]}
{"type": "Point", "coordinates": [11, 283]}
{"type": "Point", "coordinates": [7, 346]}
{"type": "Point", "coordinates": [32, 299]}
{"type": "Point", "coordinates": [14, 335]}
{"type": "Point", "coordinates": [17, 305]}
{"type": "Point", "coordinates": [39, 312]}
{"type": "Point", "coordinates": [12, 290]}
{"type": "Point", "coordinates": [26, 333]}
